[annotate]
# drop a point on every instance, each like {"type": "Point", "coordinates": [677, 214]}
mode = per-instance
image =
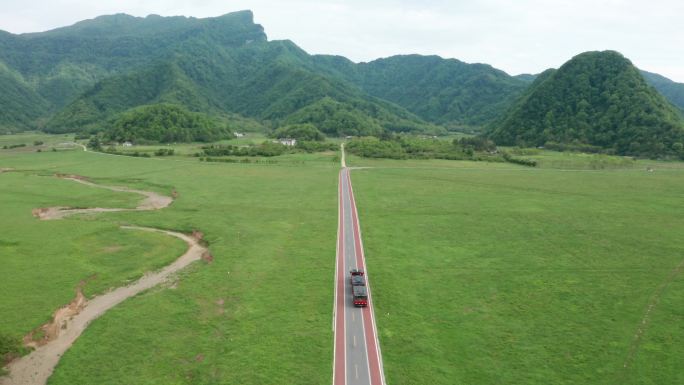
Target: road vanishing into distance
{"type": "Point", "coordinates": [357, 358]}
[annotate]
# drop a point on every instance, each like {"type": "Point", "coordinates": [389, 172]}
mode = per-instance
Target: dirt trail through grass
{"type": "Point", "coordinates": [71, 320]}
{"type": "Point", "coordinates": [646, 319]}
{"type": "Point", "coordinates": [152, 201]}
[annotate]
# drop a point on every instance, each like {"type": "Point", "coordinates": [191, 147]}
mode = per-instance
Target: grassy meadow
{"type": "Point", "coordinates": [482, 273]}
{"type": "Point", "coordinates": [242, 318]}
{"type": "Point", "coordinates": [496, 274]}
{"type": "Point", "coordinates": [43, 262]}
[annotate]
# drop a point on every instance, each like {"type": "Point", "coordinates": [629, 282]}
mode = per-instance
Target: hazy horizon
{"type": "Point", "coordinates": [529, 37]}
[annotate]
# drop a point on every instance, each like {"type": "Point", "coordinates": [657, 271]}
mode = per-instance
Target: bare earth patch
{"type": "Point", "coordinates": [152, 201]}
{"type": "Point", "coordinates": [50, 331]}
{"type": "Point", "coordinates": [112, 249]}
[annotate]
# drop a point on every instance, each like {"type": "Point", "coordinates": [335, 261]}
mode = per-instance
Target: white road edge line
{"type": "Point", "coordinates": [339, 250]}
{"type": "Point", "coordinates": [344, 294]}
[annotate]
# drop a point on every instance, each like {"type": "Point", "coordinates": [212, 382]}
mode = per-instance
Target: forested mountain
{"type": "Point", "coordinates": [91, 75]}
{"type": "Point", "coordinates": [166, 123]}
{"type": "Point", "coordinates": [66, 61]}
{"type": "Point", "coordinates": [20, 105]}
{"type": "Point", "coordinates": [599, 99]}
{"type": "Point", "coordinates": [529, 78]}
{"type": "Point", "coordinates": [673, 91]}
{"type": "Point", "coordinates": [444, 91]}
{"type": "Point", "coordinates": [96, 69]}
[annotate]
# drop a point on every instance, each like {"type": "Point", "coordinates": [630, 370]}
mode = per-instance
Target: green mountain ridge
{"type": "Point", "coordinates": [598, 99]}
{"type": "Point", "coordinates": [95, 69]}
{"type": "Point", "coordinates": [85, 76]}
{"type": "Point", "coordinates": [20, 105]}
{"type": "Point", "coordinates": [66, 61]}
{"type": "Point", "coordinates": [673, 91]}
{"type": "Point", "coordinates": [443, 91]}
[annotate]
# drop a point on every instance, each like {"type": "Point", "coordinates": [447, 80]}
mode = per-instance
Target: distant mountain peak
{"type": "Point", "coordinates": [597, 98]}
{"type": "Point", "coordinates": [122, 24]}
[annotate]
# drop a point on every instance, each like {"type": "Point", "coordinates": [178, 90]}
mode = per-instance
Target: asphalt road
{"type": "Point", "coordinates": [357, 358]}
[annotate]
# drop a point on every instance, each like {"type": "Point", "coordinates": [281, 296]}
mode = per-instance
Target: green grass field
{"type": "Point", "coordinates": [486, 275]}
{"type": "Point", "coordinates": [258, 314]}
{"type": "Point", "coordinates": [44, 261]}
{"type": "Point", "coordinates": [482, 272]}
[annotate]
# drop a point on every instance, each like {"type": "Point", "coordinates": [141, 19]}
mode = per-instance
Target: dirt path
{"type": "Point", "coordinates": [37, 367]}
{"type": "Point", "coordinates": [646, 319]}
{"type": "Point", "coordinates": [71, 320]}
{"type": "Point", "coordinates": [152, 201]}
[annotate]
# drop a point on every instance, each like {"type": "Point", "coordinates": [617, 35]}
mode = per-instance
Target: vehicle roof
{"type": "Point", "coordinates": [360, 290]}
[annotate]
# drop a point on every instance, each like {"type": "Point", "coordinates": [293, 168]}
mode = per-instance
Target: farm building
{"type": "Point", "coordinates": [288, 141]}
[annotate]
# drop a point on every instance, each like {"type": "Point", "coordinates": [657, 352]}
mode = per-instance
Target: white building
{"type": "Point", "coordinates": [288, 141]}
{"type": "Point", "coordinates": [238, 134]}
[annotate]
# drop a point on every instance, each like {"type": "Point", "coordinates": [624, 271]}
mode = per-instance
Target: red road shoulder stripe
{"type": "Point", "coordinates": [374, 361]}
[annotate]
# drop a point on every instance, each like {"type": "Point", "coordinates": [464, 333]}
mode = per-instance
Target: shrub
{"type": "Point", "coordinates": [164, 152]}
{"type": "Point", "coordinates": [521, 161]}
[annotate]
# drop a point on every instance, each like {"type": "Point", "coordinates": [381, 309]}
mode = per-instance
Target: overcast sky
{"type": "Point", "coordinates": [523, 36]}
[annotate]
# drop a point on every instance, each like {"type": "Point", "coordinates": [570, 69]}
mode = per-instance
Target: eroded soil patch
{"type": "Point", "coordinates": [152, 201]}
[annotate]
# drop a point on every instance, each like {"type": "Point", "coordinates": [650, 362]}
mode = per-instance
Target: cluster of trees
{"type": "Point", "coordinates": [404, 147]}
{"type": "Point", "coordinates": [243, 160]}
{"type": "Point", "coordinates": [264, 149]}
{"type": "Point", "coordinates": [135, 154]}
{"type": "Point", "coordinates": [336, 119]}
{"type": "Point", "coordinates": [301, 132]}
{"type": "Point", "coordinates": [521, 161]}
{"type": "Point", "coordinates": [164, 152]}
{"type": "Point", "coordinates": [165, 123]}
{"type": "Point", "coordinates": [575, 146]}
{"type": "Point", "coordinates": [309, 146]}
{"type": "Point", "coordinates": [11, 146]}
{"type": "Point", "coordinates": [476, 143]}
{"type": "Point", "coordinates": [598, 99]}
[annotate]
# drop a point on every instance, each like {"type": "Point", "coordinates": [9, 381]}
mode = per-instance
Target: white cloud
{"type": "Point", "coordinates": [516, 36]}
